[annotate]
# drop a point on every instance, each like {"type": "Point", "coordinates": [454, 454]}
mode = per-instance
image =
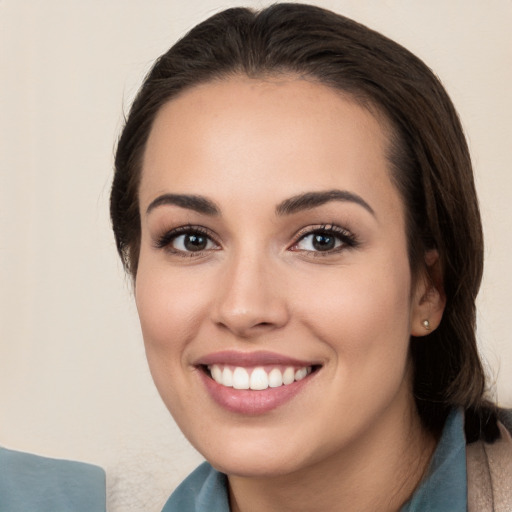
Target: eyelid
{"type": "Point", "coordinates": [164, 240]}
{"type": "Point", "coordinates": [347, 238]}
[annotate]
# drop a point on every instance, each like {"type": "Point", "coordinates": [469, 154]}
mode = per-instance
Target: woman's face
{"type": "Point", "coordinates": [273, 249]}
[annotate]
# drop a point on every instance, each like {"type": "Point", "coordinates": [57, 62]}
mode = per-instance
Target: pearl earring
{"type": "Point", "coordinates": [426, 324]}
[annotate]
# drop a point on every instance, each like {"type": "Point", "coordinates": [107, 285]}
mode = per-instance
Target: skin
{"type": "Point", "coordinates": [352, 435]}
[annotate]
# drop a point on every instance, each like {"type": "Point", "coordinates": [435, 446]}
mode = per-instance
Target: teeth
{"type": "Point", "coordinates": [216, 373]}
{"type": "Point", "coordinates": [227, 377]}
{"type": "Point", "coordinates": [258, 379]}
{"type": "Point", "coordinates": [288, 376]}
{"type": "Point", "coordinates": [275, 378]}
{"type": "Point", "coordinates": [300, 374]}
{"type": "Point", "coordinates": [240, 378]}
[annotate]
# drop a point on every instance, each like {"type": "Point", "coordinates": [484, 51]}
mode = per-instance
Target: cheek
{"type": "Point", "coordinates": [169, 306]}
{"type": "Point", "coordinates": [168, 309]}
{"type": "Point", "coordinates": [362, 313]}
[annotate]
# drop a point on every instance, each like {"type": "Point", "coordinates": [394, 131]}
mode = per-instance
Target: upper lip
{"type": "Point", "coordinates": [257, 358]}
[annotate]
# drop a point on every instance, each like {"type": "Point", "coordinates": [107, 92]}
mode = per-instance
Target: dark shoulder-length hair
{"type": "Point", "coordinates": [428, 155]}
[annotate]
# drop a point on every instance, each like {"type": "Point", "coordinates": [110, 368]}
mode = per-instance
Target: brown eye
{"type": "Point", "coordinates": [192, 242]}
{"type": "Point", "coordinates": [319, 242]}
{"type": "Point", "coordinates": [323, 242]}
{"type": "Point", "coordinates": [195, 242]}
{"type": "Point", "coordinates": [325, 239]}
{"type": "Point", "coordinates": [187, 240]}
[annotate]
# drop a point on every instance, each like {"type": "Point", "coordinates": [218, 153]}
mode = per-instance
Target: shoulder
{"type": "Point", "coordinates": [30, 482]}
{"type": "Point", "coordinates": [489, 470]}
{"type": "Point", "coordinates": [204, 490]}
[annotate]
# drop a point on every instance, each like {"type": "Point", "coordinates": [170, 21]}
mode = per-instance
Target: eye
{"type": "Point", "coordinates": [318, 242]}
{"type": "Point", "coordinates": [325, 239]}
{"type": "Point", "coordinates": [192, 242]}
{"type": "Point", "coordinates": [186, 241]}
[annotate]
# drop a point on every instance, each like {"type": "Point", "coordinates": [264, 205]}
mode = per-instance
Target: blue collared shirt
{"type": "Point", "coordinates": [444, 489]}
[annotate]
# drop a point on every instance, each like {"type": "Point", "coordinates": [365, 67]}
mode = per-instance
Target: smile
{"type": "Point", "coordinates": [257, 378]}
{"type": "Point", "coordinates": [254, 383]}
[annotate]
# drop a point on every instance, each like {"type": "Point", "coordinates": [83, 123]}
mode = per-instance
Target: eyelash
{"type": "Point", "coordinates": [346, 238]}
{"type": "Point", "coordinates": [165, 241]}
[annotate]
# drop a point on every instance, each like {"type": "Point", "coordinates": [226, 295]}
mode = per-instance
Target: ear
{"type": "Point", "coordinates": [429, 299]}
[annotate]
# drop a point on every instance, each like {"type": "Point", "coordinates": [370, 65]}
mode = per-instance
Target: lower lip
{"type": "Point", "coordinates": [249, 402]}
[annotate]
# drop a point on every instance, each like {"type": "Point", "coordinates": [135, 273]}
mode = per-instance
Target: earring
{"type": "Point", "coordinates": [426, 324]}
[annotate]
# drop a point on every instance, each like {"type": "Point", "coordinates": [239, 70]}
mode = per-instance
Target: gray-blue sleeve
{"type": "Point", "coordinates": [32, 483]}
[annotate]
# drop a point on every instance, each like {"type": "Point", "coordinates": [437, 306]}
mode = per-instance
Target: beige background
{"type": "Point", "coordinates": [73, 379]}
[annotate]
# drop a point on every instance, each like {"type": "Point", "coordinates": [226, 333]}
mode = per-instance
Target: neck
{"type": "Point", "coordinates": [379, 471]}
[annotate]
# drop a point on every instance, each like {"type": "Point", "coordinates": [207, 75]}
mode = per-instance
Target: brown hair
{"type": "Point", "coordinates": [428, 155]}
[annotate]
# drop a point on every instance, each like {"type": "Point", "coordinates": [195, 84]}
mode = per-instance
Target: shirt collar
{"type": "Point", "coordinates": [444, 489]}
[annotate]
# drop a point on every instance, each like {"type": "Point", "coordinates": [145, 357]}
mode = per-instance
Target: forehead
{"type": "Point", "coordinates": [237, 131]}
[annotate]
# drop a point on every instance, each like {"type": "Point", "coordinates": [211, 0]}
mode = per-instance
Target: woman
{"type": "Point", "coordinates": [294, 200]}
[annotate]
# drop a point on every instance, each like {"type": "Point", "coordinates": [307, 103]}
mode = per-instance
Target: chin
{"type": "Point", "coordinates": [259, 453]}
{"type": "Point", "coordinates": [243, 465]}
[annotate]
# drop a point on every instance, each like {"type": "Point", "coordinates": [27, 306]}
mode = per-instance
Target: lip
{"type": "Point", "coordinates": [248, 359]}
{"type": "Point", "coordinates": [246, 401]}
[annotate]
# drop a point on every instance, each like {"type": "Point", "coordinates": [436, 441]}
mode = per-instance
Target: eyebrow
{"type": "Point", "coordinates": [305, 201]}
{"type": "Point", "coordinates": [310, 200]}
{"type": "Point", "coordinates": [199, 204]}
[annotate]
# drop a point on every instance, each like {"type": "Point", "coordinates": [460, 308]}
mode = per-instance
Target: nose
{"type": "Point", "coordinates": [251, 298]}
